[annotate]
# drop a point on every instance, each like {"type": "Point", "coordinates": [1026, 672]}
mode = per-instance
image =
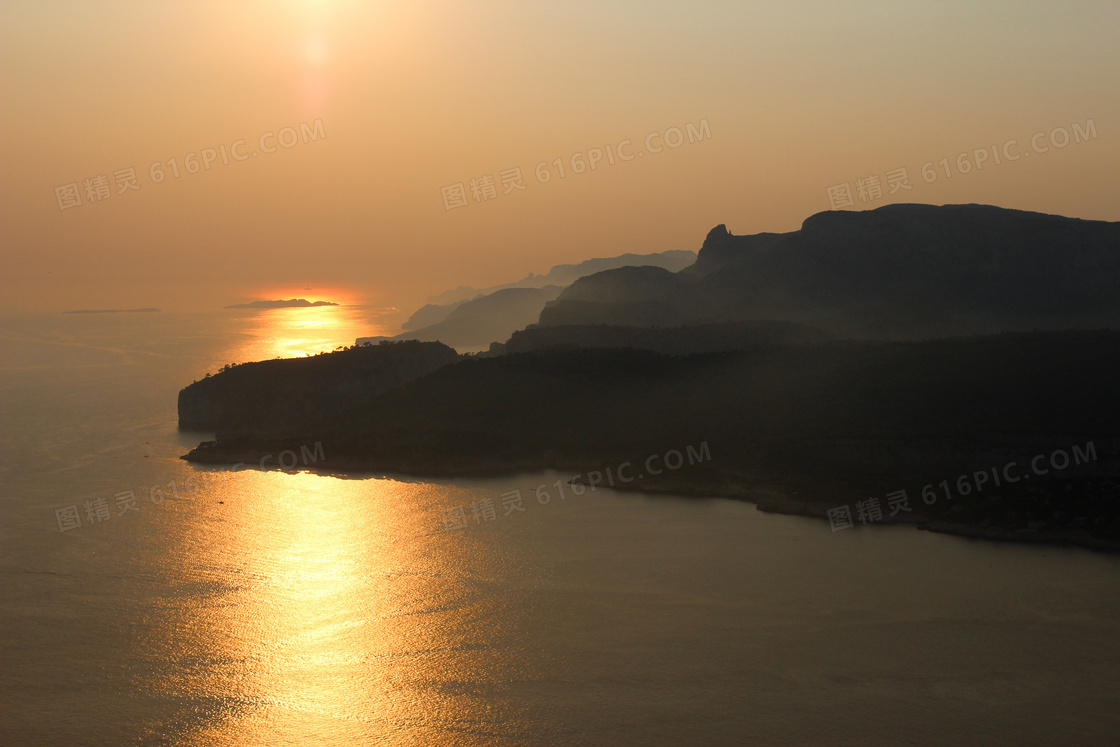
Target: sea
{"type": "Point", "coordinates": [149, 601]}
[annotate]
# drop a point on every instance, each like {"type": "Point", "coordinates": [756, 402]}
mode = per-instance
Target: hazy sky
{"type": "Point", "coordinates": [412, 97]}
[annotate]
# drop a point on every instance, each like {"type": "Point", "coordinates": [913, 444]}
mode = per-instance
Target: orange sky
{"type": "Point", "coordinates": [411, 97]}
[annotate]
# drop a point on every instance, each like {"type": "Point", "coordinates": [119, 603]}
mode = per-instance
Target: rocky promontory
{"type": "Point", "coordinates": [289, 396]}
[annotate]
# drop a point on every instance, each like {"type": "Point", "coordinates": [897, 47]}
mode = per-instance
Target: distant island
{"type": "Point", "coordinates": [110, 311]}
{"type": "Point", "coordinates": [289, 304]}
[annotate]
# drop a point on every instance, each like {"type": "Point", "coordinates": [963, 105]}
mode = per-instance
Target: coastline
{"type": "Point", "coordinates": [767, 497]}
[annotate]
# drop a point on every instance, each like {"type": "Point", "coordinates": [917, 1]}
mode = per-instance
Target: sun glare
{"type": "Point", "coordinates": [298, 331]}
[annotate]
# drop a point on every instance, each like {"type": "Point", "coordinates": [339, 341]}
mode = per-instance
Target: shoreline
{"type": "Point", "coordinates": [773, 500]}
{"type": "Point", "coordinates": [767, 497]}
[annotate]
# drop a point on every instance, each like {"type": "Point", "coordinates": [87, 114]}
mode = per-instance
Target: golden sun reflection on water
{"type": "Point", "coordinates": [335, 611]}
{"type": "Point", "coordinates": [305, 610]}
{"type": "Point", "coordinates": [298, 331]}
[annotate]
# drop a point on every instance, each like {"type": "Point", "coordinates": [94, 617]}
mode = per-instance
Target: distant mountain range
{"type": "Point", "coordinates": [897, 272]}
{"type": "Point", "coordinates": [475, 324]}
{"type": "Point", "coordinates": [562, 275]}
{"type": "Point", "coordinates": [290, 303]}
{"type": "Point", "coordinates": [470, 319]}
{"type": "Point", "coordinates": [901, 271]}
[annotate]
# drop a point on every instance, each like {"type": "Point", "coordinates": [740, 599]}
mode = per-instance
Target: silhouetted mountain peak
{"type": "Point", "coordinates": [717, 235]}
{"type": "Point", "coordinates": [901, 270]}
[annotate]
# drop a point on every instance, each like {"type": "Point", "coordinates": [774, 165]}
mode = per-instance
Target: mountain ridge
{"type": "Point", "coordinates": [901, 271]}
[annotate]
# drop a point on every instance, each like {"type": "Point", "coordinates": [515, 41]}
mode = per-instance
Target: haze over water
{"type": "Point", "coordinates": [389, 102]}
{"type": "Point", "coordinates": [165, 166]}
{"type": "Point", "coordinates": [301, 608]}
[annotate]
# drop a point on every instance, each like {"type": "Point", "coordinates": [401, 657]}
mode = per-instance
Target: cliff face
{"type": "Point", "coordinates": [287, 397]}
{"type": "Point", "coordinates": [901, 271]}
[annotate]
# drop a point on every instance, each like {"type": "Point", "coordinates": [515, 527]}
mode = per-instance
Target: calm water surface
{"type": "Point", "coordinates": [273, 608]}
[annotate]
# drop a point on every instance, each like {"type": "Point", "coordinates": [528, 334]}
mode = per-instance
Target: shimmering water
{"type": "Point", "coordinates": [271, 608]}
